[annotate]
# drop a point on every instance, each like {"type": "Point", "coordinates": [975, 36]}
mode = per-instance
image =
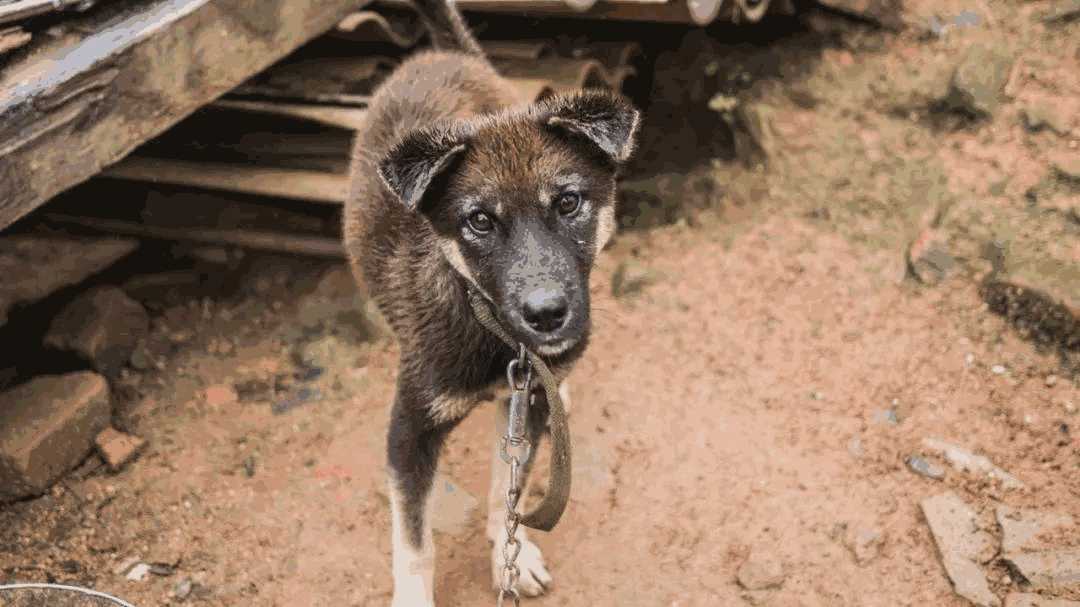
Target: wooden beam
{"type": "Point", "coordinates": [298, 184]}
{"type": "Point", "coordinates": [79, 102]}
{"type": "Point", "coordinates": [316, 246]}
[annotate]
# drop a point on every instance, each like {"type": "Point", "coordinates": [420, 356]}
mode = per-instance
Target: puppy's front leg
{"type": "Point", "coordinates": [534, 578]}
{"type": "Point", "coordinates": [413, 446]}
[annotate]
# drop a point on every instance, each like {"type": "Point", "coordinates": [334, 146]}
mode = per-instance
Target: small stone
{"type": "Point", "coordinates": [182, 589]}
{"type": "Point", "coordinates": [47, 426]}
{"type": "Point", "coordinates": [887, 416]}
{"type": "Point", "coordinates": [864, 544]}
{"type": "Point", "coordinates": [962, 545]}
{"type": "Point", "coordinates": [1019, 599]}
{"type": "Point", "coordinates": [756, 121]}
{"type": "Point", "coordinates": [117, 448]}
{"type": "Point", "coordinates": [138, 572]}
{"type": "Point", "coordinates": [1020, 529]}
{"type": "Point", "coordinates": [103, 326]}
{"type": "Point", "coordinates": [630, 278]}
{"type": "Point", "coordinates": [1044, 116]}
{"type": "Point", "coordinates": [1051, 381]}
{"type": "Point", "coordinates": [1056, 571]}
{"type": "Point", "coordinates": [998, 370]}
{"type": "Point", "coordinates": [922, 467]}
{"type": "Point", "coordinates": [220, 395]}
{"type": "Point", "coordinates": [296, 399]}
{"type": "Point", "coordinates": [855, 447]}
{"type": "Point", "coordinates": [761, 571]}
{"type": "Point", "coordinates": [979, 80]}
{"type": "Point", "coordinates": [965, 461]}
{"type": "Point", "coordinates": [929, 259]}
{"type": "Point", "coordinates": [249, 466]}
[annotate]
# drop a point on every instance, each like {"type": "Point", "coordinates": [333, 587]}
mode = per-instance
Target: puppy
{"type": "Point", "coordinates": [457, 183]}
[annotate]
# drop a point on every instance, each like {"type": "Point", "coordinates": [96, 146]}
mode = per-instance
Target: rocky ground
{"type": "Point", "coordinates": [814, 380]}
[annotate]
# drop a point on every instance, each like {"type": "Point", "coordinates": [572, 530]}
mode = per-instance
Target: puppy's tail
{"type": "Point", "coordinates": [447, 26]}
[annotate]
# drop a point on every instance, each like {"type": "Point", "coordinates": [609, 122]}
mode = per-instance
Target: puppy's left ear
{"type": "Point", "coordinates": [606, 119]}
{"type": "Point", "coordinates": [413, 164]}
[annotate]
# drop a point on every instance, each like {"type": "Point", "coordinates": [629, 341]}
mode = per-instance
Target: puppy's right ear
{"type": "Point", "coordinates": [411, 166]}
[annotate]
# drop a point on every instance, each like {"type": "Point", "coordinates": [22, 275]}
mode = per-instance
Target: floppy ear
{"type": "Point", "coordinates": [608, 120]}
{"type": "Point", "coordinates": [409, 168]}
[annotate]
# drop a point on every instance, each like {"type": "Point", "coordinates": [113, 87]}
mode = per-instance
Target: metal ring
{"type": "Point", "coordinates": [511, 375]}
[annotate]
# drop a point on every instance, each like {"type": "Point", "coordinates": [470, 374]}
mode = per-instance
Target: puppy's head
{"type": "Point", "coordinates": [520, 203]}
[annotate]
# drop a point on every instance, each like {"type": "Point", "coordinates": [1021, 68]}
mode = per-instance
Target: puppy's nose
{"type": "Point", "coordinates": [545, 310]}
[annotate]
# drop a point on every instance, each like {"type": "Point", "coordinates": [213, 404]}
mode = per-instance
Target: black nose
{"type": "Point", "coordinates": [545, 310]}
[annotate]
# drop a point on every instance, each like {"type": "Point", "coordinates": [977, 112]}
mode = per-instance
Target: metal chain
{"type": "Point", "coordinates": [515, 451]}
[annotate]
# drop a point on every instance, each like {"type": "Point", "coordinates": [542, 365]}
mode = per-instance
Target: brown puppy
{"type": "Point", "coordinates": [458, 184]}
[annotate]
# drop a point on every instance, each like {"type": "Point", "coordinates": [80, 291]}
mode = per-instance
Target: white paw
{"type": "Point", "coordinates": [534, 579]}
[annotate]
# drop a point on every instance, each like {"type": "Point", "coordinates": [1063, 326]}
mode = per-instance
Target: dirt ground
{"type": "Point", "coordinates": [758, 384]}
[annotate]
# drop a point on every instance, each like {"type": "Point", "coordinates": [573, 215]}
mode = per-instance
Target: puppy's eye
{"type": "Point", "coordinates": [481, 222]}
{"type": "Point", "coordinates": [568, 203]}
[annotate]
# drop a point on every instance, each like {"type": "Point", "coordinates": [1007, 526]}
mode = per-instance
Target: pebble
{"type": "Point", "coordinates": [761, 571]}
{"type": "Point", "coordinates": [182, 589]}
{"type": "Point", "coordinates": [1051, 381]}
{"type": "Point", "coordinates": [922, 467]}
{"type": "Point", "coordinates": [998, 370]}
{"type": "Point", "coordinates": [887, 416]}
{"type": "Point", "coordinates": [966, 461]}
{"type": "Point", "coordinates": [864, 544]}
{"type": "Point", "coordinates": [118, 448]}
{"type": "Point", "coordinates": [249, 466]}
{"type": "Point", "coordinates": [138, 572]}
{"type": "Point", "coordinates": [300, 397]}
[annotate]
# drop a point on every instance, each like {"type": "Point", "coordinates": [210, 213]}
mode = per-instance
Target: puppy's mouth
{"type": "Point", "coordinates": [548, 345]}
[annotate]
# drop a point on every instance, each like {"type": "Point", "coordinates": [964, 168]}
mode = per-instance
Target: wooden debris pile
{"type": "Point", "coordinates": [282, 140]}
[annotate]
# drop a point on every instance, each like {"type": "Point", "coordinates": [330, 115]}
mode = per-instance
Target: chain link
{"type": "Point", "coordinates": [514, 439]}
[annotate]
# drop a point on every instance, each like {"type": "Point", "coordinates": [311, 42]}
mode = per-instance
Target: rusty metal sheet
{"type": "Point", "coordinates": [145, 67]}
{"type": "Point", "coordinates": [397, 27]}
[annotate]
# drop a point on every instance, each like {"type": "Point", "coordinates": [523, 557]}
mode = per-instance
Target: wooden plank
{"type": "Point", "coordinates": [12, 38]}
{"type": "Point", "coordinates": [317, 246]}
{"type": "Point", "coordinates": [313, 186]}
{"type": "Point", "coordinates": [77, 103]}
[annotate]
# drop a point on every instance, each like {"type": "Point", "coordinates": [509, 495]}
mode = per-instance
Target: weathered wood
{"type": "Point", "coordinates": [698, 12]}
{"type": "Point", "coordinates": [316, 246]}
{"type": "Point", "coordinates": [78, 102]}
{"type": "Point", "coordinates": [12, 38]}
{"type": "Point", "coordinates": [313, 186]}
